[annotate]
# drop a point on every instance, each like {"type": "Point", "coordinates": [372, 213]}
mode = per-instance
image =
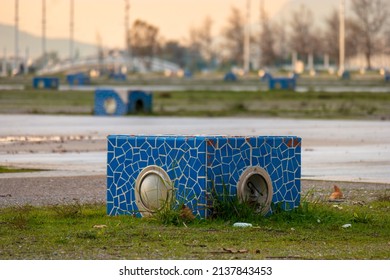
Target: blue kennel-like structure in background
{"type": "Point", "coordinates": [46, 82]}
{"type": "Point", "coordinates": [122, 102]}
{"type": "Point", "coordinates": [280, 83]}
{"type": "Point", "coordinates": [78, 79]}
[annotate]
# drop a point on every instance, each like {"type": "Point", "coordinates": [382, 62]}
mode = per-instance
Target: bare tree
{"type": "Point", "coordinates": [387, 41]}
{"type": "Point", "coordinates": [281, 43]}
{"type": "Point", "coordinates": [331, 37]}
{"type": "Point", "coordinates": [267, 40]}
{"type": "Point", "coordinates": [144, 39]}
{"type": "Point", "coordinates": [302, 39]}
{"type": "Point", "coordinates": [234, 34]}
{"type": "Point", "coordinates": [371, 16]}
{"type": "Point", "coordinates": [201, 40]}
{"type": "Point", "coordinates": [173, 51]}
{"type": "Point", "coordinates": [100, 49]}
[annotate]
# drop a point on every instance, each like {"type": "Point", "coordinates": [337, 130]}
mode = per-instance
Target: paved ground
{"type": "Point", "coordinates": [73, 149]}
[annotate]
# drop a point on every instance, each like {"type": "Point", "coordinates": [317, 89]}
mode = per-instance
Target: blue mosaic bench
{"type": "Point", "coordinates": [230, 77]}
{"type": "Point", "coordinates": [117, 76]}
{"type": "Point", "coordinates": [285, 83]}
{"type": "Point", "coordinates": [122, 102]}
{"type": "Point", "coordinates": [144, 171]}
{"type": "Point", "coordinates": [78, 79]}
{"type": "Point", "coordinates": [387, 77]}
{"type": "Point", "coordinates": [46, 82]}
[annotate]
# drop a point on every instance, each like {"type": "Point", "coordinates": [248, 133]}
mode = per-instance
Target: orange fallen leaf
{"type": "Point", "coordinates": [337, 194]}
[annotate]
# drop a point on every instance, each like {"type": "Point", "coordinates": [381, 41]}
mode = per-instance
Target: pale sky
{"type": "Point", "coordinates": [106, 17]}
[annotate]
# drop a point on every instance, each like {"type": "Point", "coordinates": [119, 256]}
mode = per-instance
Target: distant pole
{"type": "Point", "coordinates": [262, 20]}
{"type": "Point", "coordinates": [127, 8]}
{"type": "Point", "coordinates": [44, 31]}
{"type": "Point", "coordinates": [247, 38]}
{"type": "Point", "coordinates": [294, 61]}
{"type": "Point", "coordinates": [326, 61]}
{"type": "Point", "coordinates": [71, 31]}
{"type": "Point", "coordinates": [26, 61]}
{"type": "Point", "coordinates": [16, 36]}
{"type": "Point", "coordinates": [127, 32]}
{"type": "Point", "coordinates": [342, 38]}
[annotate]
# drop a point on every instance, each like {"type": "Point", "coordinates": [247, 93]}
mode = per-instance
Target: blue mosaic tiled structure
{"type": "Point", "coordinates": [284, 83]}
{"type": "Point", "coordinates": [197, 165]}
{"type": "Point", "coordinates": [387, 76]}
{"type": "Point", "coordinates": [346, 75]}
{"type": "Point", "coordinates": [122, 102]}
{"type": "Point", "coordinates": [117, 76]}
{"type": "Point", "coordinates": [78, 79]}
{"type": "Point", "coordinates": [187, 74]}
{"type": "Point", "coordinates": [265, 77]}
{"type": "Point", "coordinates": [46, 82]}
{"type": "Point", "coordinates": [230, 77]}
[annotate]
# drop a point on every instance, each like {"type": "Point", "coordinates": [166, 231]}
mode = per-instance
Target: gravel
{"type": "Point", "coordinates": [52, 190]}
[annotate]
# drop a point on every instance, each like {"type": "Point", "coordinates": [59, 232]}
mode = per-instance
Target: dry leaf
{"type": "Point", "coordinates": [99, 226]}
{"type": "Point", "coordinates": [186, 213]}
{"type": "Point", "coordinates": [337, 194]}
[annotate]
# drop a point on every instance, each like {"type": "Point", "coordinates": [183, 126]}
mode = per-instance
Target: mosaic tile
{"type": "Point", "coordinates": [121, 102]}
{"type": "Point", "coordinates": [198, 164]}
{"type": "Point", "coordinates": [46, 82]}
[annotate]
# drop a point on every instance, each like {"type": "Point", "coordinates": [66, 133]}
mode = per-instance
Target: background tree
{"type": "Point", "coordinates": [387, 41]}
{"type": "Point", "coordinates": [174, 52]}
{"type": "Point", "coordinates": [233, 35]}
{"type": "Point", "coordinates": [302, 39]}
{"type": "Point", "coordinates": [281, 42]}
{"type": "Point", "coordinates": [144, 40]}
{"type": "Point", "coordinates": [267, 40]}
{"type": "Point", "coordinates": [371, 16]}
{"type": "Point", "coordinates": [201, 41]}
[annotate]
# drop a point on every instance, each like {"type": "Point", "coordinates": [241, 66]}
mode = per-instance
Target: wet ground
{"type": "Point", "coordinates": [357, 151]}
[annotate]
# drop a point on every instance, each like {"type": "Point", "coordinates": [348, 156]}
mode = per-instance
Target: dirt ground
{"type": "Point", "coordinates": [91, 189]}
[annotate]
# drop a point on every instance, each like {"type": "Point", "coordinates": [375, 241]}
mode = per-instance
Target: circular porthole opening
{"type": "Point", "coordinates": [153, 190]}
{"type": "Point", "coordinates": [110, 105]}
{"type": "Point", "coordinates": [255, 188]}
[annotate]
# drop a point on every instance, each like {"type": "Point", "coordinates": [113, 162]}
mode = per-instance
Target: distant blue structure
{"type": "Point", "coordinates": [140, 102]}
{"type": "Point", "coordinates": [79, 79]}
{"type": "Point", "coordinates": [230, 77]}
{"type": "Point", "coordinates": [110, 102]}
{"type": "Point", "coordinates": [46, 82]}
{"type": "Point", "coordinates": [346, 75]}
{"type": "Point", "coordinates": [265, 77]}
{"type": "Point", "coordinates": [187, 74]}
{"type": "Point", "coordinates": [284, 83]}
{"type": "Point", "coordinates": [387, 76]}
{"type": "Point", "coordinates": [117, 76]}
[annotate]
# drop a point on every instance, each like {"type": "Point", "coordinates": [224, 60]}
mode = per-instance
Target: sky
{"type": "Point", "coordinates": [106, 17]}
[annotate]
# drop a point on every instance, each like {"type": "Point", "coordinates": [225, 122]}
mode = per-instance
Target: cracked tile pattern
{"type": "Point", "coordinates": [196, 164]}
{"type": "Point", "coordinates": [122, 102]}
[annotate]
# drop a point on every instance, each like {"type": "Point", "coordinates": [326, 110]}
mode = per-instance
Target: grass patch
{"type": "Point", "coordinates": [312, 231]}
{"type": "Point", "coordinates": [334, 105]}
{"type": "Point", "coordinates": [276, 103]}
{"type": "Point", "coordinates": [6, 169]}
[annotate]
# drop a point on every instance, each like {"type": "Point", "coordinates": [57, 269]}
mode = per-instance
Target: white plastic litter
{"type": "Point", "coordinates": [242, 225]}
{"type": "Point", "coordinates": [346, 226]}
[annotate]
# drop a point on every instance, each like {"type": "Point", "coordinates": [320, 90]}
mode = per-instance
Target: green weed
{"type": "Point", "coordinates": [311, 231]}
{"type": "Point", "coordinates": [6, 169]}
{"type": "Point", "coordinates": [68, 210]}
